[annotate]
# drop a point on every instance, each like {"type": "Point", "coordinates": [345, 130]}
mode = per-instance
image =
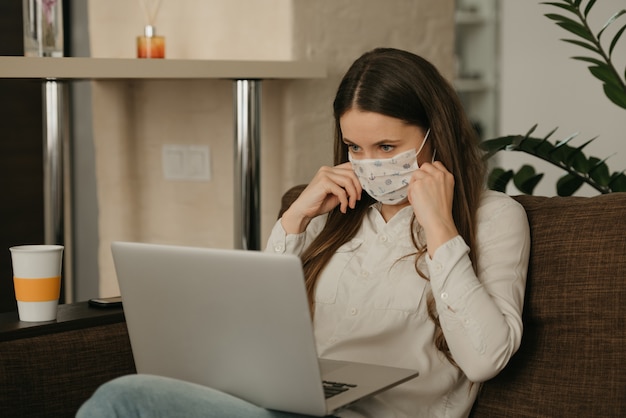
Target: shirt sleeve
{"type": "Point", "coordinates": [481, 313]}
{"type": "Point", "coordinates": [280, 242]}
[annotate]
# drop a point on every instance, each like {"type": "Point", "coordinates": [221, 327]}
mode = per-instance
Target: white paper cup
{"type": "Point", "coordinates": [37, 281]}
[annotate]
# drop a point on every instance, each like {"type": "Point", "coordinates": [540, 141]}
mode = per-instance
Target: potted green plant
{"type": "Point", "coordinates": [579, 169]}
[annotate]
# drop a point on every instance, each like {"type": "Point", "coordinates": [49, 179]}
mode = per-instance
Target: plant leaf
{"type": "Point", "coordinates": [544, 140]}
{"type": "Point", "coordinates": [568, 184]}
{"type": "Point", "coordinates": [578, 161]}
{"type": "Point", "coordinates": [526, 179]}
{"type": "Point", "coordinates": [615, 39]}
{"type": "Point", "coordinates": [498, 179]}
{"type": "Point", "coordinates": [517, 141]}
{"type": "Point", "coordinates": [572, 160]}
{"type": "Point", "coordinates": [599, 171]}
{"type": "Point", "coordinates": [529, 185]}
{"type": "Point", "coordinates": [591, 47]}
{"type": "Point", "coordinates": [618, 182]}
{"type": "Point", "coordinates": [588, 8]}
{"type": "Point", "coordinates": [605, 74]}
{"type": "Point", "coordinates": [575, 28]}
{"type": "Point", "coordinates": [564, 142]}
{"type": "Point", "coordinates": [616, 95]}
{"type": "Point", "coordinates": [611, 20]}
{"type": "Point", "coordinates": [526, 171]}
{"type": "Point", "coordinates": [561, 5]}
{"type": "Point", "coordinates": [590, 60]}
{"type": "Point", "coordinates": [492, 146]}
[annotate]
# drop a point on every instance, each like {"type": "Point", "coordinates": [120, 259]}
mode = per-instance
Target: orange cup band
{"type": "Point", "coordinates": [37, 290]}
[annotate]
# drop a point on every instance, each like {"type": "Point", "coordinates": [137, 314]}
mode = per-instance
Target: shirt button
{"type": "Point", "coordinates": [353, 311]}
{"type": "Point", "coordinates": [437, 267]}
{"type": "Point", "coordinates": [444, 296]}
{"type": "Point", "coordinates": [279, 248]}
{"type": "Point", "coordinates": [365, 274]}
{"type": "Point", "coordinates": [383, 238]}
{"type": "Point", "coordinates": [333, 340]}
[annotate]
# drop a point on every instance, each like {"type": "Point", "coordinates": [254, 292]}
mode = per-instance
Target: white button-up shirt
{"type": "Point", "coordinates": [370, 305]}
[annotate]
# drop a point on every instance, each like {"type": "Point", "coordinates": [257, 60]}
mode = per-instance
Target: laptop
{"type": "Point", "coordinates": [237, 321]}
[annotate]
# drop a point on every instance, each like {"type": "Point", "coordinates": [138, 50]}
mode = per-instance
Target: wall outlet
{"type": "Point", "coordinates": [186, 162]}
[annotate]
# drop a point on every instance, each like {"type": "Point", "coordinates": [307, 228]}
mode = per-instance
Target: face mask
{"type": "Point", "coordinates": [387, 179]}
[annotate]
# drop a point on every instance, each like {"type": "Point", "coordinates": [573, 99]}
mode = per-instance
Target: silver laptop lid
{"type": "Point", "coordinates": [234, 320]}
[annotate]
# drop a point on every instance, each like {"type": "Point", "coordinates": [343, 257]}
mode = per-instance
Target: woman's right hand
{"type": "Point", "coordinates": [330, 187]}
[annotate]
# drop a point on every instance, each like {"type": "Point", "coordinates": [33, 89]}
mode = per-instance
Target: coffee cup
{"type": "Point", "coordinates": [37, 280]}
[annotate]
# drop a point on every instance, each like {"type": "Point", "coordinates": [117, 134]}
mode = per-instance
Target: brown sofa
{"type": "Point", "coordinates": [49, 369]}
{"type": "Point", "coordinates": [570, 363]}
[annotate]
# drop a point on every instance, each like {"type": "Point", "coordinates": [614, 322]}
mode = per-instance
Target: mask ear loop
{"type": "Point", "coordinates": [422, 146]}
{"type": "Point", "coordinates": [423, 142]}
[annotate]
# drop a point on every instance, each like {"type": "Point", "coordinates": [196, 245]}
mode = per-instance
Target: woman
{"type": "Point", "coordinates": [408, 261]}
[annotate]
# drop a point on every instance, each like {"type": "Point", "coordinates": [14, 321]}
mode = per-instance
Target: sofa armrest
{"type": "Point", "coordinates": [52, 374]}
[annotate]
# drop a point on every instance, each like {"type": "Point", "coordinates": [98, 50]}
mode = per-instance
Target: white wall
{"type": "Point", "coordinates": [541, 84]}
{"type": "Point", "coordinates": [200, 29]}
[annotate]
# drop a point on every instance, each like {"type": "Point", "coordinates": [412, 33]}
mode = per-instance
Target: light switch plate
{"type": "Point", "coordinates": [186, 162]}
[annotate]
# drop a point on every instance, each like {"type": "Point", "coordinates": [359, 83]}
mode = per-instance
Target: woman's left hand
{"type": "Point", "coordinates": [431, 192]}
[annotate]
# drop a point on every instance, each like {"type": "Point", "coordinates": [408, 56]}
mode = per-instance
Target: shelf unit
{"type": "Point", "coordinates": [130, 68]}
{"type": "Point", "coordinates": [246, 76]}
{"type": "Point", "coordinates": [476, 80]}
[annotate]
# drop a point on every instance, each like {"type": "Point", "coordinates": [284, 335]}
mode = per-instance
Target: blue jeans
{"type": "Point", "coordinates": [154, 397]}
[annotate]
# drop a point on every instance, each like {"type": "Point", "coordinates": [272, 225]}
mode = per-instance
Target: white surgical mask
{"type": "Point", "coordinates": [387, 179]}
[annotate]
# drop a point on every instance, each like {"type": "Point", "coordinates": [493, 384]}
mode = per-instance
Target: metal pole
{"type": "Point", "coordinates": [247, 146]}
{"type": "Point", "coordinates": [56, 139]}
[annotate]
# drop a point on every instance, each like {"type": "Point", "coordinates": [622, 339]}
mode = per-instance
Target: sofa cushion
{"type": "Point", "coordinates": [571, 360]}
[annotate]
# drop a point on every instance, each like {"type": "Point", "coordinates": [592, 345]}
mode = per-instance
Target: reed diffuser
{"type": "Point", "coordinates": [149, 45]}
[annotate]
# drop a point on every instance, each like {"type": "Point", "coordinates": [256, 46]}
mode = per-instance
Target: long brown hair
{"type": "Point", "coordinates": [404, 86]}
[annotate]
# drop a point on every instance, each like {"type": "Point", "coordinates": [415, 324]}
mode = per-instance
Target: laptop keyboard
{"type": "Point", "coordinates": [335, 388]}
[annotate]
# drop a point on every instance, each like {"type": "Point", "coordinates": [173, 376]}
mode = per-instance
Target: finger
{"type": "Point", "coordinates": [356, 183]}
{"type": "Point", "coordinates": [418, 174]}
{"type": "Point", "coordinates": [341, 194]}
{"type": "Point", "coordinates": [427, 168]}
{"type": "Point", "coordinates": [349, 171]}
{"type": "Point", "coordinates": [439, 166]}
{"type": "Point", "coordinates": [344, 176]}
{"type": "Point", "coordinates": [353, 190]}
